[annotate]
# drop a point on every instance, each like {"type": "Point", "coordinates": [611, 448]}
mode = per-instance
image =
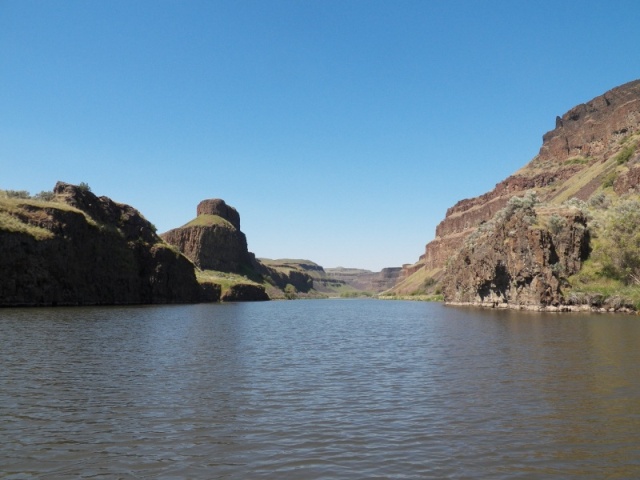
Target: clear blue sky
{"type": "Point", "coordinates": [340, 130]}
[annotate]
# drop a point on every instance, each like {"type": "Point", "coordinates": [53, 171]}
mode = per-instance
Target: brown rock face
{"type": "Point", "coordinates": [98, 252]}
{"type": "Point", "coordinates": [213, 240]}
{"type": "Point", "coordinates": [522, 259]}
{"type": "Point", "coordinates": [366, 280]}
{"type": "Point", "coordinates": [217, 206]}
{"type": "Point", "coordinates": [585, 135]}
{"type": "Point", "coordinates": [213, 247]}
{"type": "Point", "coordinates": [245, 293]}
{"type": "Point", "coordinates": [629, 181]}
{"type": "Point", "coordinates": [302, 281]}
{"type": "Point", "coordinates": [590, 128]}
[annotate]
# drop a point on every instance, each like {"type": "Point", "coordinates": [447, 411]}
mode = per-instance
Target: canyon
{"type": "Point", "coordinates": [543, 238]}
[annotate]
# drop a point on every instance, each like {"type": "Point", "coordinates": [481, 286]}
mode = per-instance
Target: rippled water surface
{"type": "Point", "coordinates": [317, 389]}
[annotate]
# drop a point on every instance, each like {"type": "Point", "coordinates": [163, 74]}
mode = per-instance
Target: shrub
{"type": "Point", "coordinates": [608, 181]}
{"type": "Point", "coordinates": [577, 203]}
{"type": "Point", "coordinates": [558, 269]}
{"type": "Point", "coordinates": [599, 200]}
{"type": "Point", "coordinates": [44, 196]}
{"type": "Point", "coordinates": [22, 194]}
{"type": "Point", "coordinates": [556, 223]}
{"type": "Point", "coordinates": [523, 204]}
{"type": "Point", "coordinates": [625, 154]}
{"type": "Point", "coordinates": [527, 201]}
{"type": "Point", "coordinates": [84, 187]}
{"type": "Point", "coordinates": [619, 249]}
{"type": "Point", "coordinates": [579, 160]}
{"type": "Point", "coordinates": [290, 292]}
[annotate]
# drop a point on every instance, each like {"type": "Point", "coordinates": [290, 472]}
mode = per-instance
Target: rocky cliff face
{"type": "Point", "coordinates": [87, 250]}
{"type": "Point", "coordinates": [282, 275]}
{"type": "Point", "coordinates": [311, 280]}
{"type": "Point", "coordinates": [217, 206]}
{"type": "Point", "coordinates": [521, 258]}
{"type": "Point", "coordinates": [366, 280]}
{"type": "Point", "coordinates": [213, 240]}
{"type": "Point", "coordinates": [289, 278]}
{"type": "Point", "coordinates": [575, 160]}
{"type": "Point", "coordinates": [591, 129]}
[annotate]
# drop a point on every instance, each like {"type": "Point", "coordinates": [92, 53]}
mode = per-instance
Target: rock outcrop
{"type": "Point", "coordinates": [86, 250]}
{"type": "Point", "coordinates": [281, 274]}
{"type": "Point", "coordinates": [521, 258]}
{"type": "Point", "coordinates": [244, 292]}
{"type": "Point", "coordinates": [590, 129]}
{"type": "Point", "coordinates": [575, 160]}
{"type": "Point", "coordinates": [217, 206]}
{"type": "Point", "coordinates": [213, 240]}
{"type": "Point", "coordinates": [289, 278]}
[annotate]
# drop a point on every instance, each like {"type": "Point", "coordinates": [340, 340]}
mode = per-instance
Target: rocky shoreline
{"type": "Point", "coordinates": [562, 308]}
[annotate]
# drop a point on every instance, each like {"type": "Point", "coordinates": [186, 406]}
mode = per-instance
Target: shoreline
{"type": "Point", "coordinates": [544, 308]}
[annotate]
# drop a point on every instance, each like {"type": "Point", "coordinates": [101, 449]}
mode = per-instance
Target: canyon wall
{"type": "Point", "coordinates": [575, 160]}
{"type": "Point", "coordinates": [588, 133]}
{"type": "Point", "coordinates": [81, 249]}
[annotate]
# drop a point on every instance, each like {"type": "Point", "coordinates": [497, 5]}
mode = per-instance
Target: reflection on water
{"type": "Point", "coordinates": [317, 389]}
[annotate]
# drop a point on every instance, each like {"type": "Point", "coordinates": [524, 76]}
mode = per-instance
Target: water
{"type": "Point", "coordinates": [317, 389]}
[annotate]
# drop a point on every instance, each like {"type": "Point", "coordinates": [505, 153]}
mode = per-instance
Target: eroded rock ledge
{"type": "Point", "coordinates": [521, 258]}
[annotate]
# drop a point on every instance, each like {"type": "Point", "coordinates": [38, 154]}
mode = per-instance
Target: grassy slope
{"type": "Point", "coordinates": [24, 215]}
{"type": "Point", "coordinates": [208, 221]}
{"type": "Point", "coordinates": [422, 285]}
{"type": "Point", "coordinates": [224, 279]}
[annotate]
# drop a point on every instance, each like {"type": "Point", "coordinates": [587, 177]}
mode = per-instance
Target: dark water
{"type": "Point", "coordinates": [317, 389]}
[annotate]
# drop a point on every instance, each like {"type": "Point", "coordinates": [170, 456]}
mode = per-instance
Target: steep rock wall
{"type": "Point", "coordinates": [588, 134]}
{"type": "Point", "coordinates": [96, 252]}
{"type": "Point", "coordinates": [213, 241]}
{"type": "Point", "coordinates": [213, 247]}
{"type": "Point", "coordinates": [521, 259]}
{"type": "Point", "coordinates": [366, 280]}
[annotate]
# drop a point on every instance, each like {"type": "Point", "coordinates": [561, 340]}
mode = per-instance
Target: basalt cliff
{"type": "Point", "coordinates": [79, 249]}
{"type": "Point", "coordinates": [218, 248]}
{"type": "Point", "coordinates": [522, 244]}
{"type": "Point", "coordinates": [214, 242]}
{"type": "Point", "coordinates": [366, 280]}
{"type": "Point", "coordinates": [304, 278]}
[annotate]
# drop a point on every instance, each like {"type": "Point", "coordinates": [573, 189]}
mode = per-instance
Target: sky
{"type": "Point", "coordinates": [340, 130]}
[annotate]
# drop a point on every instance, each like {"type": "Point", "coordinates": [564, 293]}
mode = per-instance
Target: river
{"type": "Point", "coordinates": [317, 389]}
